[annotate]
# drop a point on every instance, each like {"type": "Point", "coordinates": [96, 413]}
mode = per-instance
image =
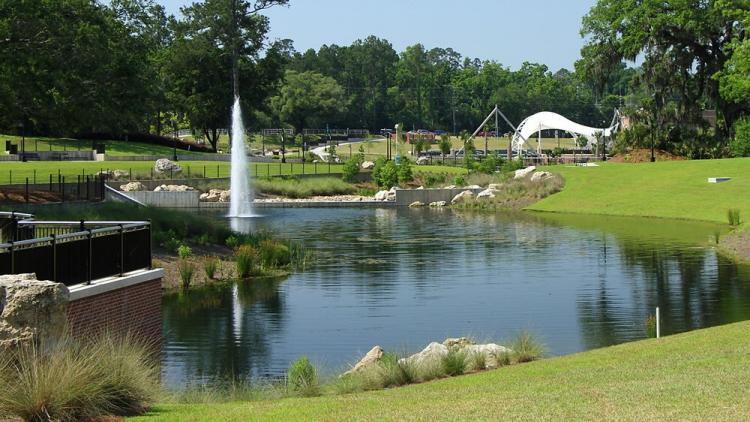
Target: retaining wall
{"type": "Point", "coordinates": [405, 197]}
{"type": "Point", "coordinates": [189, 199]}
{"type": "Point", "coordinates": [118, 305]}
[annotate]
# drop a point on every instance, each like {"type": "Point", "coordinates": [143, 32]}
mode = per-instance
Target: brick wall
{"type": "Point", "coordinates": [133, 309]}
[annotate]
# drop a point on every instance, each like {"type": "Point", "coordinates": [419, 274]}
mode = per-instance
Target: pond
{"type": "Point", "coordinates": [403, 278]}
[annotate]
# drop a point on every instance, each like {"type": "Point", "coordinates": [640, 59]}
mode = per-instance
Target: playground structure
{"type": "Point", "coordinates": [547, 121]}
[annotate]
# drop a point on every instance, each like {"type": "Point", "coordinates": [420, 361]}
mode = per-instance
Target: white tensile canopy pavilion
{"type": "Point", "coordinates": [547, 120]}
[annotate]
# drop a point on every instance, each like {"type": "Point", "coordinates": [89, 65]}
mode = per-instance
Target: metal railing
{"type": "Point", "coordinates": [75, 252]}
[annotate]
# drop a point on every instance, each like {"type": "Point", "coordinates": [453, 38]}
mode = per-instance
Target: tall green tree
{"type": "Point", "coordinates": [309, 98]}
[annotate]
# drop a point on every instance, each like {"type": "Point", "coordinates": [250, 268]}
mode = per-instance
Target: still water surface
{"type": "Point", "coordinates": [403, 278]}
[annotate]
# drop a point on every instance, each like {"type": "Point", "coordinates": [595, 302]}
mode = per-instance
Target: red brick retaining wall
{"type": "Point", "coordinates": [133, 309]}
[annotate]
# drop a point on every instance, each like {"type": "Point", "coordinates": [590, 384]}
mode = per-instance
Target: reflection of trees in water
{"type": "Point", "coordinates": [692, 287]}
{"type": "Point", "coordinates": [222, 332]}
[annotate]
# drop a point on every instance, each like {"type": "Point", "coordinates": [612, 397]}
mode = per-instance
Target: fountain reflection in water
{"type": "Point", "coordinates": [241, 200]}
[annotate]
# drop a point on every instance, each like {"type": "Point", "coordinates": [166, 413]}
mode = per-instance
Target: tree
{"type": "Point", "coordinates": [740, 144]}
{"type": "Point", "coordinates": [309, 98]}
{"type": "Point", "coordinates": [217, 52]}
{"type": "Point", "coordinates": [445, 145]}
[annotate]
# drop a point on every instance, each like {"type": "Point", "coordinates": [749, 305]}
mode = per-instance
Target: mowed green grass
{"type": "Point", "coordinates": [670, 189]}
{"type": "Point", "coordinates": [118, 148]}
{"type": "Point", "coordinates": [700, 375]}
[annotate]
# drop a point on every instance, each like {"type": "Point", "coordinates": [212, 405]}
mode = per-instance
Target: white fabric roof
{"type": "Point", "coordinates": [548, 120]}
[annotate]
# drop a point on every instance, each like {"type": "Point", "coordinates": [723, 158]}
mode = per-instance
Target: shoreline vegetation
{"type": "Point", "coordinates": [695, 375]}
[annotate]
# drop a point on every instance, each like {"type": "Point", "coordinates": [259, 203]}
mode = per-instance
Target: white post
{"type": "Point", "coordinates": [539, 141]}
{"type": "Point", "coordinates": [658, 328]}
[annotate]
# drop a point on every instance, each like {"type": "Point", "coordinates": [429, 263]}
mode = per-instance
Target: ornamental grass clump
{"type": "Point", "coordinates": [302, 378]}
{"type": "Point", "coordinates": [210, 265]}
{"type": "Point", "coordinates": [733, 216]}
{"type": "Point", "coordinates": [651, 326]}
{"type": "Point", "coordinates": [78, 380]}
{"type": "Point", "coordinates": [247, 260]}
{"type": "Point", "coordinates": [454, 363]}
{"type": "Point", "coordinates": [526, 348]}
{"type": "Point", "coordinates": [274, 254]}
{"type": "Point", "coordinates": [184, 266]}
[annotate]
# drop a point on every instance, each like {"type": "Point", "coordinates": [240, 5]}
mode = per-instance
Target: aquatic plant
{"type": "Point", "coordinates": [210, 265]}
{"type": "Point", "coordinates": [247, 260]}
{"type": "Point", "coordinates": [302, 378]}
{"type": "Point", "coordinates": [527, 348]}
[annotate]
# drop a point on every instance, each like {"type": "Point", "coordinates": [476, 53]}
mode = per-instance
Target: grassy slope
{"type": "Point", "coordinates": [701, 375]}
{"type": "Point", "coordinates": [676, 189]}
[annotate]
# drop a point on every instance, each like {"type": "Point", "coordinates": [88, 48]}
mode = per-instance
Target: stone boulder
{"type": "Point", "coordinates": [164, 165]}
{"type": "Point", "coordinates": [438, 204]}
{"type": "Point", "coordinates": [522, 173]}
{"type": "Point", "coordinates": [381, 196]}
{"type": "Point", "coordinates": [459, 342]}
{"type": "Point", "coordinates": [487, 194]}
{"type": "Point", "coordinates": [464, 196]}
{"type": "Point", "coordinates": [391, 194]}
{"type": "Point", "coordinates": [213, 195]}
{"type": "Point", "coordinates": [173, 188]}
{"type": "Point", "coordinates": [495, 186]}
{"type": "Point", "coordinates": [430, 354]}
{"type": "Point", "coordinates": [450, 187]}
{"type": "Point", "coordinates": [31, 308]}
{"type": "Point", "coordinates": [473, 187]}
{"type": "Point", "coordinates": [372, 357]}
{"type": "Point", "coordinates": [113, 174]}
{"type": "Point", "coordinates": [540, 176]}
{"type": "Point", "coordinates": [491, 353]}
{"type": "Point", "coordinates": [423, 161]}
{"type": "Point", "coordinates": [368, 165]}
{"type": "Point", "coordinates": [133, 187]}
{"type": "Point", "coordinates": [224, 196]}
{"type": "Point", "coordinates": [416, 204]}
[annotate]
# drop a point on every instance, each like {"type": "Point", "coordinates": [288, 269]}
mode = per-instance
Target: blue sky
{"type": "Point", "coordinates": [508, 31]}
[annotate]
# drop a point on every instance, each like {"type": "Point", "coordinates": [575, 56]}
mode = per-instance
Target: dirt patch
{"type": "Point", "coordinates": [736, 245]}
{"type": "Point", "coordinates": [644, 156]}
{"type": "Point", "coordinates": [18, 196]}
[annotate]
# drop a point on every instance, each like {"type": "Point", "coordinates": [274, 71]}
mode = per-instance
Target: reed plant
{"type": "Point", "coordinates": [733, 216]}
{"type": "Point", "coordinates": [302, 378]}
{"type": "Point", "coordinates": [247, 261]}
{"type": "Point", "coordinates": [210, 265]}
{"type": "Point", "coordinates": [527, 348]}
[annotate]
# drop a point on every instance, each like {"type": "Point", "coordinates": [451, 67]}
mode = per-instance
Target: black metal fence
{"type": "Point", "coordinates": [56, 189]}
{"type": "Point", "coordinates": [76, 252]}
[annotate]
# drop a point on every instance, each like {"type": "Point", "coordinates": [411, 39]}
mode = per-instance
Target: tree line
{"type": "Point", "coordinates": [76, 67]}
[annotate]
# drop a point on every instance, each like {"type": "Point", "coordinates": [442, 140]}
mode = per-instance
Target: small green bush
{"type": "Point", "coordinates": [210, 265]}
{"type": "Point", "coordinates": [733, 216]}
{"type": "Point", "coordinates": [459, 181]}
{"type": "Point", "coordinates": [302, 378]}
{"type": "Point", "coordinates": [527, 348]}
{"type": "Point", "coordinates": [405, 173]}
{"type": "Point", "coordinates": [186, 270]}
{"type": "Point", "coordinates": [184, 251]}
{"type": "Point", "coordinates": [232, 242]}
{"type": "Point", "coordinates": [385, 173]}
{"type": "Point", "coordinates": [351, 168]}
{"type": "Point", "coordinates": [247, 260]}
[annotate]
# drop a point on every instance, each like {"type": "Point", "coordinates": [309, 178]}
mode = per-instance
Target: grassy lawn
{"type": "Point", "coordinates": [34, 143]}
{"type": "Point", "coordinates": [700, 375]}
{"type": "Point", "coordinates": [672, 189]}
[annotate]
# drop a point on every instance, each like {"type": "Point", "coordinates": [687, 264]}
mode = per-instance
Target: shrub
{"type": "Point", "coordinates": [232, 242]}
{"type": "Point", "coordinates": [454, 363]}
{"type": "Point", "coordinates": [733, 215]}
{"type": "Point", "coordinates": [74, 380]}
{"type": "Point", "coordinates": [274, 254]}
{"type": "Point", "coordinates": [385, 173]}
{"type": "Point", "coordinates": [393, 373]}
{"type": "Point", "coordinates": [186, 270]}
{"type": "Point", "coordinates": [490, 164]}
{"type": "Point", "coordinates": [739, 146]}
{"type": "Point", "coordinates": [404, 173]}
{"type": "Point", "coordinates": [210, 265]}
{"type": "Point", "coordinates": [459, 181]}
{"type": "Point", "coordinates": [246, 257]}
{"type": "Point", "coordinates": [351, 169]}
{"type": "Point", "coordinates": [651, 326]}
{"type": "Point", "coordinates": [527, 348]}
{"type": "Point", "coordinates": [172, 244]}
{"type": "Point", "coordinates": [184, 251]}
{"type": "Point", "coordinates": [302, 378]}
{"type": "Point", "coordinates": [476, 362]}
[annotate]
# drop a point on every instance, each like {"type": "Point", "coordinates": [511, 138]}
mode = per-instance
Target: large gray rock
{"type": "Point", "coordinates": [540, 176]}
{"type": "Point", "coordinates": [173, 188]}
{"type": "Point", "coordinates": [133, 187]}
{"type": "Point", "coordinates": [423, 161]}
{"type": "Point", "coordinates": [416, 204]}
{"type": "Point", "coordinates": [430, 354]}
{"type": "Point", "coordinates": [459, 342]}
{"type": "Point", "coordinates": [372, 357]}
{"type": "Point", "coordinates": [491, 352]}
{"type": "Point", "coordinates": [438, 204]}
{"type": "Point", "coordinates": [368, 165]}
{"type": "Point", "coordinates": [164, 165]}
{"type": "Point", "coordinates": [487, 194]}
{"type": "Point", "coordinates": [520, 174]}
{"type": "Point", "coordinates": [464, 196]}
{"type": "Point", "coordinates": [381, 196]}
{"type": "Point", "coordinates": [31, 308]}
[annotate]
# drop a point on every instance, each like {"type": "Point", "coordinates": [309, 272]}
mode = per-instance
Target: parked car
{"type": "Point", "coordinates": [440, 132]}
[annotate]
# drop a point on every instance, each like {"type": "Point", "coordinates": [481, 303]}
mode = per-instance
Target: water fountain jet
{"type": "Point", "coordinates": [240, 199]}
